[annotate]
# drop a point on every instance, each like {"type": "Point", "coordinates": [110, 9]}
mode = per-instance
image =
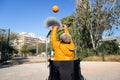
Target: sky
{"type": "Point", "coordinates": [29, 15]}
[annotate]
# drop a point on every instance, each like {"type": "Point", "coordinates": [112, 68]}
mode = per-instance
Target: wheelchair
{"type": "Point", "coordinates": [65, 70]}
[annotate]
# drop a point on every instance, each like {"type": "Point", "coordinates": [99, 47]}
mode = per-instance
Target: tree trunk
{"type": "Point", "coordinates": [91, 36]}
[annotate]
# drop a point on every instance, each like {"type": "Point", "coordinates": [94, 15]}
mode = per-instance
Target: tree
{"type": "Point", "coordinates": [111, 47]}
{"type": "Point", "coordinates": [42, 47]}
{"type": "Point", "coordinates": [24, 50]}
{"type": "Point", "coordinates": [27, 49]}
{"type": "Point", "coordinates": [13, 36]}
{"type": "Point", "coordinates": [90, 20]}
{"type": "Point", "coordinates": [31, 49]}
{"type": "Point", "coordinates": [5, 46]}
{"type": "Point", "coordinates": [79, 35]}
{"type": "Point", "coordinates": [75, 32]}
{"type": "Point", "coordinates": [99, 17]}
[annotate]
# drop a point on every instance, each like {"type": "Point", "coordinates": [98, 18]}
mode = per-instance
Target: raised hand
{"type": "Point", "coordinates": [55, 26]}
{"type": "Point", "coordinates": [65, 26]}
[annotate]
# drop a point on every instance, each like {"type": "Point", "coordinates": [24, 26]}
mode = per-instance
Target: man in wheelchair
{"type": "Point", "coordinates": [63, 66]}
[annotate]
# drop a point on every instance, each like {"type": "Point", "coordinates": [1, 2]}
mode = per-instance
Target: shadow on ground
{"type": "Point", "coordinates": [15, 61]}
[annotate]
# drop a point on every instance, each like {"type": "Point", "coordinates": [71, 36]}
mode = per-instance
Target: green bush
{"type": "Point", "coordinates": [109, 47]}
{"type": "Point", "coordinates": [86, 53]}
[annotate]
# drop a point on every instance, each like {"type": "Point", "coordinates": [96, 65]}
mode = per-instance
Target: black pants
{"type": "Point", "coordinates": [65, 70]}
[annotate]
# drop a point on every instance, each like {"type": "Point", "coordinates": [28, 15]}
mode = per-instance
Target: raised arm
{"type": "Point", "coordinates": [65, 29]}
{"type": "Point", "coordinates": [71, 46]}
{"type": "Point", "coordinates": [53, 37]}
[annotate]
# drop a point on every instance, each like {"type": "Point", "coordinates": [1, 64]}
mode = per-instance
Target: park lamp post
{"type": "Point", "coordinates": [46, 42]}
{"type": "Point", "coordinates": [1, 33]}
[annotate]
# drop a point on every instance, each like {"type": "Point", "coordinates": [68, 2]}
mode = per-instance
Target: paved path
{"type": "Point", "coordinates": [101, 70]}
{"type": "Point", "coordinates": [34, 71]}
{"type": "Point", "coordinates": [39, 71]}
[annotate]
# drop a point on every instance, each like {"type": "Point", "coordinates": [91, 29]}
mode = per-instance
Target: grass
{"type": "Point", "coordinates": [112, 58]}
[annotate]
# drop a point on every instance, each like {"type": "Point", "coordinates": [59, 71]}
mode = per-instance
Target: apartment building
{"type": "Point", "coordinates": [25, 38]}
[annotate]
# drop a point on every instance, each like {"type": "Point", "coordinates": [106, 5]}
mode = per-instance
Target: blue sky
{"type": "Point", "coordinates": [29, 15]}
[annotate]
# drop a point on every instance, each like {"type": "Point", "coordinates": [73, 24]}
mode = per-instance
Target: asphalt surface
{"type": "Point", "coordinates": [101, 70]}
{"type": "Point", "coordinates": [39, 71]}
{"type": "Point", "coordinates": [34, 71]}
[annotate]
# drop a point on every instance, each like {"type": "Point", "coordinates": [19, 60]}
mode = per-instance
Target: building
{"type": "Point", "coordinates": [114, 38]}
{"type": "Point", "coordinates": [25, 38]}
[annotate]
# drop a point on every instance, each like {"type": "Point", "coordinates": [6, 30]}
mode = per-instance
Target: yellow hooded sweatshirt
{"type": "Point", "coordinates": [62, 51]}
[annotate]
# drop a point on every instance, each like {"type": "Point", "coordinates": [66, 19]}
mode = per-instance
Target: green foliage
{"type": "Point", "coordinates": [109, 47]}
{"type": "Point", "coordinates": [74, 31]}
{"type": "Point", "coordinates": [5, 46]}
{"type": "Point", "coordinates": [24, 50]}
{"type": "Point", "coordinates": [90, 21]}
{"type": "Point", "coordinates": [31, 49]}
{"type": "Point", "coordinates": [42, 47]}
{"type": "Point", "coordinates": [86, 53]}
{"type": "Point", "coordinates": [13, 36]}
{"type": "Point", "coordinates": [79, 35]}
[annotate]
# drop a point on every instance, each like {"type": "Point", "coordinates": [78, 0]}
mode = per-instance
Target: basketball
{"type": "Point", "coordinates": [55, 9]}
